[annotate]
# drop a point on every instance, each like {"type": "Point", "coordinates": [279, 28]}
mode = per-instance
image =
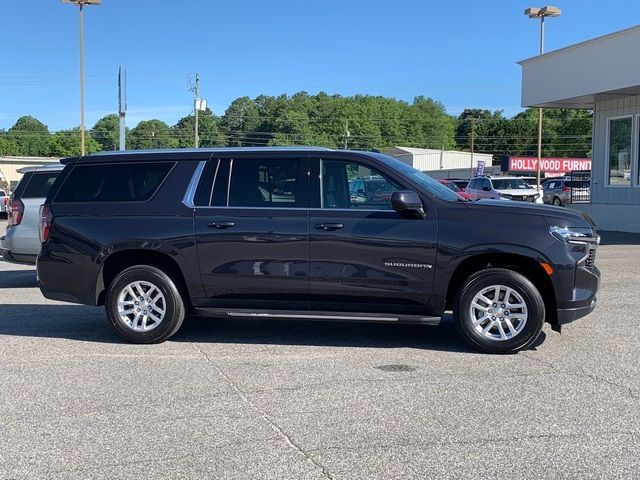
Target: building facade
{"type": "Point", "coordinates": [602, 75]}
{"type": "Point", "coordinates": [10, 168]}
{"type": "Point", "coordinates": [427, 159]}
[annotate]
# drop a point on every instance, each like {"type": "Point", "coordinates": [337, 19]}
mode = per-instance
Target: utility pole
{"type": "Point", "coordinates": [473, 143]}
{"type": "Point", "coordinates": [122, 106]}
{"type": "Point", "coordinates": [347, 134]}
{"type": "Point", "coordinates": [195, 104]}
{"type": "Point", "coordinates": [81, 4]}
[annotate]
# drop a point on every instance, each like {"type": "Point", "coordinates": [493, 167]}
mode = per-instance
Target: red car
{"type": "Point", "coordinates": [453, 187]}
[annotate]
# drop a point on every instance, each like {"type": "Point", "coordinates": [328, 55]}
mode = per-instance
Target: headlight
{"type": "Point", "coordinates": [573, 234]}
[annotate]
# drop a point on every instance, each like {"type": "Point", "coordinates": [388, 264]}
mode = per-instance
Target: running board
{"type": "Point", "coordinates": [317, 315]}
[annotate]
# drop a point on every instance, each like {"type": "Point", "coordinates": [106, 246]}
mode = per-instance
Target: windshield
{"type": "Point", "coordinates": [451, 186]}
{"type": "Point", "coordinates": [381, 186]}
{"type": "Point", "coordinates": [510, 184]}
{"type": "Point", "coordinates": [426, 182]}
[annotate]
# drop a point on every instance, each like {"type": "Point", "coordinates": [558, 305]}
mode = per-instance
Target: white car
{"type": "Point", "coordinates": [21, 243]}
{"type": "Point", "coordinates": [507, 188]}
{"type": "Point", "coordinates": [4, 203]}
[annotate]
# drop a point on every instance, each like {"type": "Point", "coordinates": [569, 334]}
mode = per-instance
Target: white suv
{"type": "Point", "coordinates": [21, 243]}
{"type": "Point", "coordinates": [507, 188]}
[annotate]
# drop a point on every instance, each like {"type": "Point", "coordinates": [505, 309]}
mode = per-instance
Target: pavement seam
{"type": "Point", "coordinates": [265, 416]}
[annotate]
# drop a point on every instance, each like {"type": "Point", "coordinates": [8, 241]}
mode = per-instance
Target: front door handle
{"type": "Point", "coordinates": [328, 226]}
{"type": "Point", "coordinates": [221, 225]}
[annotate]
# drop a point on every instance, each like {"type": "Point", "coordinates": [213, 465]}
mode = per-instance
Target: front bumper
{"type": "Point", "coordinates": [568, 315]}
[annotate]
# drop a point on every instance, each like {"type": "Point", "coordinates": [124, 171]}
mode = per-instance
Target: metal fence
{"type": "Point", "coordinates": [580, 184]}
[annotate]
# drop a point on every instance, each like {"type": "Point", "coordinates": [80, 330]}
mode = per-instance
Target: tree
{"type": "Point", "coordinates": [490, 130]}
{"type": "Point", "coordinates": [208, 130]}
{"type": "Point", "coordinates": [106, 132]}
{"type": "Point", "coordinates": [66, 143]}
{"type": "Point", "coordinates": [151, 134]}
{"type": "Point", "coordinates": [30, 137]}
{"type": "Point", "coordinates": [240, 122]}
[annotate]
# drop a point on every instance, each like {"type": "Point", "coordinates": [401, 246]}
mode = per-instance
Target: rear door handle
{"type": "Point", "coordinates": [221, 225]}
{"type": "Point", "coordinates": [328, 226]}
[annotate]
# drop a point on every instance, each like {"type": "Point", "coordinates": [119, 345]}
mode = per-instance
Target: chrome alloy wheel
{"type": "Point", "coordinates": [498, 312]}
{"type": "Point", "coordinates": [141, 306]}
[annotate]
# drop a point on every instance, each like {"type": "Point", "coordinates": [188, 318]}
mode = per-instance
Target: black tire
{"type": "Point", "coordinates": [557, 202]}
{"type": "Point", "coordinates": [520, 284]}
{"type": "Point", "coordinates": [174, 305]}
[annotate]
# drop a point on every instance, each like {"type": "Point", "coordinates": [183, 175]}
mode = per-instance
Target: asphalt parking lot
{"type": "Point", "coordinates": [292, 400]}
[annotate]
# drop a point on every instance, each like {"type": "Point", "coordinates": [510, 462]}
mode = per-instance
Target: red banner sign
{"type": "Point", "coordinates": [549, 165]}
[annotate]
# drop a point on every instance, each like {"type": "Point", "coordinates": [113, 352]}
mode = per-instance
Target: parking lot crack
{"type": "Point", "coordinates": [266, 417]}
{"type": "Point", "coordinates": [581, 373]}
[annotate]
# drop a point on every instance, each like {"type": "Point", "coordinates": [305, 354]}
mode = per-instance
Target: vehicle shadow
{"type": "Point", "coordinates": [88, 324]}
{"type": "Point", "coordinates": [82, 323]}
{"type": "Point", "coordinates": [18, 279]}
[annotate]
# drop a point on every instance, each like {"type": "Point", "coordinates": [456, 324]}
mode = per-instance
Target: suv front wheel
{"type": "Point", "coordinates": [144, 305]}
{"type": "Point", "coordinates": [499, 311]}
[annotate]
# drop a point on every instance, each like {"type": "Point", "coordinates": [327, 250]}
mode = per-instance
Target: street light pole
{"type": "Point", "coordinates": [82, 151]}
{"type": "Point", "coordinates": [539, 169]}
{"type": "Point", "coordinates": [81, 4]}
{"type": "Point", "coordinates": [541, 13]}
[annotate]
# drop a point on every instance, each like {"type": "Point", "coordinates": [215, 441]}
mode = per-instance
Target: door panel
{"type": "Point", "coordinates": [253, 258]}
{"type": "Point", "coordinates": [255, 253]}
{"type": "Point", "coordinates": [365, 259]}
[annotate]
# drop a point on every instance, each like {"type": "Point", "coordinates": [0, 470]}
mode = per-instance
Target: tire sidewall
{"type": "Point", "coordinates": [524, 287]}
{"type": "Point", "coordinates": [174, 309]}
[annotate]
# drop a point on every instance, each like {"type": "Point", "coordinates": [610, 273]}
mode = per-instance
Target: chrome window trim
{"type": "Point", "coordinates": [299, 208]}
{"type": "Point", "coordinates": [213, 184]}
{"type": "Point", "coordinates": [229, 181]}
{"type": "Point", "coordinates": [188, 199]}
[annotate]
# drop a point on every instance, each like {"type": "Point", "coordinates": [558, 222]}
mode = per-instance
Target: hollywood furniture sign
{"type": "Point", "coordinates": [548, 165]}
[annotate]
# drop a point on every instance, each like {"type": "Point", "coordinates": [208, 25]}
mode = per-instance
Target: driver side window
{"type": "Point", "coordinates": [350, 185]}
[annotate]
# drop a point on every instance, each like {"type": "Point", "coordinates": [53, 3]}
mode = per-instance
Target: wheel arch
{"type": "Point", "coordinates": [117, 261]}
{"type": "Point", "coordinates": [529, 266]}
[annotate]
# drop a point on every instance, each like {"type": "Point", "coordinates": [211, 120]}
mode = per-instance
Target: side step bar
{"type": "Point", "coordinates": [317, 315]}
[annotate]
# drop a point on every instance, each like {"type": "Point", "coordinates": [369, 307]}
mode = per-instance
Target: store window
{"type": "Point", "coordinates": [620, 140]}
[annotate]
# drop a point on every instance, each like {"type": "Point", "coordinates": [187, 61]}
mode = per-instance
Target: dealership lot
{"type": "Point", "coordinates": [267, 399]}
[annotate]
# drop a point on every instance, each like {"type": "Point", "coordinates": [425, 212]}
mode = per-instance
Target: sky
{"type": "Point", "coordinates": [462, 53]}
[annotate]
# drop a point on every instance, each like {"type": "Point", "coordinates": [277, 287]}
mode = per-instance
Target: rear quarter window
{"type": "Point", "coordinates": [39, 184]}
{"type": "Point", "coordinates": [113, 182]}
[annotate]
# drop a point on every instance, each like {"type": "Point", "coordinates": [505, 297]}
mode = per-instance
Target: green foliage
{"type": "Point", "coordinates": [106, 132]}
{"type": "Point", "coordinates": [30, 137]}
{"type": "Point", "coordinates": [66, 143]}
{"type": "Point", "coordinates": [151, 134]}
{"type": "Point", "coordinates": [373, 123]}
{"type": "Point", "coordinates": [208, 130]}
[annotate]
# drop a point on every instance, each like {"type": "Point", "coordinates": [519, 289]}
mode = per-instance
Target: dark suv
{"type": "Point", "coordinates": [275, 233]}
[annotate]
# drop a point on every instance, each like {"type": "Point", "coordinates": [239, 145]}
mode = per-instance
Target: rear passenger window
{"type": "Point", "coordinates": [266, 183]}
{"type": "Point", "coordinates": [114, 182]}
{"type": "Point", "coordinates": [39, 185]}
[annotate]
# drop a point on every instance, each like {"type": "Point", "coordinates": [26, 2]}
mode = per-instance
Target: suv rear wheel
{"type": "Point", "coordinates": [144, 305]}
{"type": "Point", "coordinates": [499, 311]}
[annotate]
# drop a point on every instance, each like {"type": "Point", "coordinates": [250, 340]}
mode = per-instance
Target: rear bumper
{"type": "Point", "coordinates": [568, 315]}
{"type": "Point", "coordinates": [20, 258]}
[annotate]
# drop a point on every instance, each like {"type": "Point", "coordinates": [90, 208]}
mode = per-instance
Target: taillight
{"type": "Point", "coordinates": [45, 222]}
{"type": "Point", "coordinates": [565, 189]}
{"type": "Point", "coordinates": [16, 211]}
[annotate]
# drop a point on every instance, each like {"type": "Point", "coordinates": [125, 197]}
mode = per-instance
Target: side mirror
{"type": "Point", "coordinates": [407, 204]}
